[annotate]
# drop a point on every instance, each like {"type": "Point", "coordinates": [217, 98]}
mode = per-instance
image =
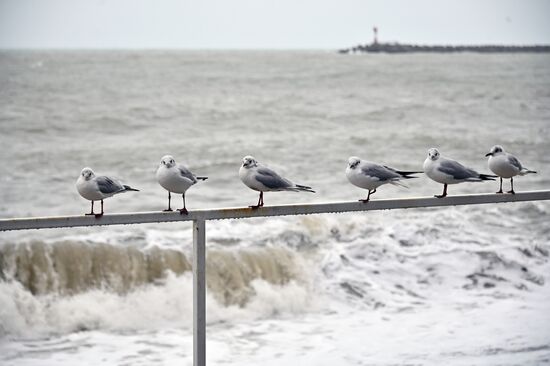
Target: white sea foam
{"type": "Point", "coordinates": [166, 304]}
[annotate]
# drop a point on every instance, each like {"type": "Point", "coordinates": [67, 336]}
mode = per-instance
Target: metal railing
{"type": "Point", "coordinates": [199, 218]}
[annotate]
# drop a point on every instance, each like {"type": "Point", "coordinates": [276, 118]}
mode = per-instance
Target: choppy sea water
{"type": "Point", "coordinates": [465, 285]}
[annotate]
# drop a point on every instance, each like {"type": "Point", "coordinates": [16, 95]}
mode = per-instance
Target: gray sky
{"type": "Point", "coordinates": [279, 24]}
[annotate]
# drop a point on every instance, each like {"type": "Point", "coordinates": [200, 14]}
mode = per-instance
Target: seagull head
{"type": "Point", "coordinates": [87, 173]}
{"type": "Point", "coordinates": [433, 154]}
{"type": "Point", "coordinates": [495, 150]}
{"type": "Point", "coordinates": [353, 162]}
{"type": "Point", "coordinates": [167, 161]}
{"type": "Point", "coordinates": [249, 162]}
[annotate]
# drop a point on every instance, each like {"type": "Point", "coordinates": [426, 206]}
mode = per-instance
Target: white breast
{"type": "Point", "coordinates": [501, 166]}
{"type": "Point", "coordinates": [89, 189]}
{"type": "Point", "coordinates": [247, 177]}
{"type": "Point", "coordinates": [171, 180]}
{"type": "Point", "coordinates": [430, 169]}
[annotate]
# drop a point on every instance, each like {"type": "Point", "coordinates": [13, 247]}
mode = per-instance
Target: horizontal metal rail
{"type": "Point", "coordinates": [282, 210]}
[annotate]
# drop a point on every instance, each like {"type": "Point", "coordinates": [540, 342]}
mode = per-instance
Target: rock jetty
{"type": "Point", "coordinates": [410, 48]}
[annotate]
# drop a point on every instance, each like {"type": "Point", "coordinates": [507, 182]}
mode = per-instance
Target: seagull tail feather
{"type": "Point", "coordinates": [300, 187]}
{"type": "Point", "coordinates": [487, 177]}
{"type": "Point", "coordinates": [407, 175]}
{"type": "Point", "coordinates": [128, 188]}
{"type": "Point", "coordinates": [527, 171]}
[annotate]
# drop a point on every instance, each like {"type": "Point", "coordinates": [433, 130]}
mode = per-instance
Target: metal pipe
{"type": "Point", "coordinates": [199, 293]}
{"type": "Point", "coordinates": [282, 210]}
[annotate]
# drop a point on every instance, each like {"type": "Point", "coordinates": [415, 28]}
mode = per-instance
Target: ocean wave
{"type": "Point", "coordinates": [167, 303]}
{"type": "Point", "coordinates": [70, 267]}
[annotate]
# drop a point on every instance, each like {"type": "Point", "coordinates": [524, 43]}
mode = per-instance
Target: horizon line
{"type": "Point", "coordinates": [305, 48]}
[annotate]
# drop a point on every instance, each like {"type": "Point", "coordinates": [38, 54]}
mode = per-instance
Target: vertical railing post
{"type": "Point", "coordinates": [199, 293]}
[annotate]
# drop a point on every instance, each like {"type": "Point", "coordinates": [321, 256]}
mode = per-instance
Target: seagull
{"type": "Point", "coordinates": [98, 188]}
{"type": "Point", "coordinates": [263, 179]}
{"type": "Point", "coordinates": [448, 171]}
{"type": "Point", "coordinates": [175, 178]}
{"type": "Point", "coordinates": [368, 175]}
{"type": "Point", "coordinates": [505, 165]}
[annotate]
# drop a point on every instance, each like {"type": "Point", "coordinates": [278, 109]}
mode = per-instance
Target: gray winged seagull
{"type": "Point", "coordinates": [369, 175]}
{"type": "Point", "coordinates": [260, 178]}
{"type": "Point", "coordinates": [98, 188]}
{"type": "Point", "coordinates": [447, 171]}
{"type": "Point", "coordinates": [505, 165]}
{"type": "Point", "coordinates": [175, 178]}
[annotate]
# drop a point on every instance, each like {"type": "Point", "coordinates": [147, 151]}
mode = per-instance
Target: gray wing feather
{"type": "Point", "coordinates": [108, 185]}
{"type": "Point", "coordinates": [380, 172]}
{"type": "Point", "coordinates": [515, 162]}
{"type": "Point", "coordinates": [184, 172]}
{"type": "Point", "coordinates": [457, 170]}
{"type": "Point", "coordinates": [271, 179]}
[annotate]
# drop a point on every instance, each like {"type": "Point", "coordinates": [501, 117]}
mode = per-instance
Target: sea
{"type": "Point", "coordinates": [455, 285]}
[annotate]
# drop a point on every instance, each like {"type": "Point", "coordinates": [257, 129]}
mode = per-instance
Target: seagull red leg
{"type": "Point", "coordinates": [100, 214]}
{"type": "Point", "coordinates": [368, 197]}
{"type": "Point", "coordinates": [169, 199]}
{"type": "Point", "coordinates": [511, 186]}
{"type": "Point", "coordinates": [183, 211]}
{"type": "Point", "coordinates": [500, 190]}
{"type": "Point", "coordinates": [260, 201]}
{"type": "Point", "coordinates": [444, 192]}
{"type": "Point", "coordinates": [92, 211]}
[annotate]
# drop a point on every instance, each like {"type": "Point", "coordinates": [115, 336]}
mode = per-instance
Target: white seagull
{"type": "Point", "coordinates": [505, 165]}
{"type": "Point", "coordinates": [263, 179]}
{"type": "Point", "coordinates": [448, 171]}
{"type": "Point", "coordinates": [368, 175]}
{"type": "Point", "coordinates": [175, 178]}
{"type": "Point", "coordinates": [98, 188]}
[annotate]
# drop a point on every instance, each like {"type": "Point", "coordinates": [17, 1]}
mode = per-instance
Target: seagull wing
{"type": "Point", "coordinates": [185, 173]}
{"type": "Point", "coordinates": [514, 161]}
{"type": "Point", "coordinates": [108, 185]}
{"type": "Point", "coordinates": [378, 171]}
{"type": "Point", "coordinates": [271, 179]}
{"type": "Point", "coordinates": [457, 170]}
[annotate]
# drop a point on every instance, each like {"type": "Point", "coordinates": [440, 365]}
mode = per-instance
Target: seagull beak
{"type": "Point", "coordinates": [489, 154]}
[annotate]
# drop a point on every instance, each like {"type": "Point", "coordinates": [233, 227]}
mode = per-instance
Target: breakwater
{"type": "Point", "coordinates": [411, 48]}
